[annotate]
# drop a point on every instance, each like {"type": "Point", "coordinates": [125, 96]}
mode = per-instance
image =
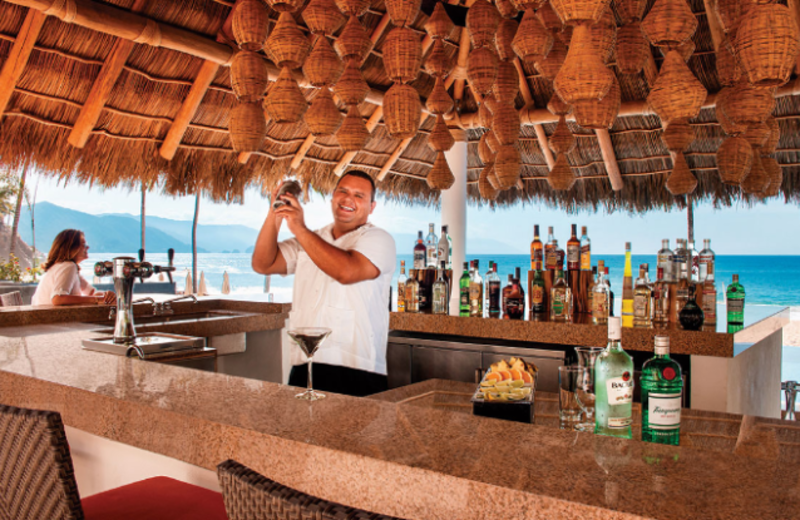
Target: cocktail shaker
{"type": "Point", "coordinates": [292, 187]}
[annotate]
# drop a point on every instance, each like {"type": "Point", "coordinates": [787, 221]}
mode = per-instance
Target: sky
{"type": "Point", "coordinates": [767, 228]}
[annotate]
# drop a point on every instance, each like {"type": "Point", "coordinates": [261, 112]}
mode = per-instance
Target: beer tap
{"type": "Point", "coordinates": [170, 256]}
{"type": "Point", "coordinates": [141, 259]}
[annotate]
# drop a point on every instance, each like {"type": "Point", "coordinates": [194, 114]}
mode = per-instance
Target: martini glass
{"type": "Point", "coordinates": [586, 393]}
{"type": "Point", "coordinates": [309, 339]}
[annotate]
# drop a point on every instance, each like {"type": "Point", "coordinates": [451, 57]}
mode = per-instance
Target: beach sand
{"type": "Point", "coordinates": [791, 334]}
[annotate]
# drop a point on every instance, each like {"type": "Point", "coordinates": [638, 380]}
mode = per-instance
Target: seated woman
{"type": "Point", "coordinates": [62, 283]}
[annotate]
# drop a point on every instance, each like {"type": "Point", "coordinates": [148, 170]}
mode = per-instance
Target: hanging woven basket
{"type": "Point", "coordinates": [351, 87]}
{"type": "Point", "coordinates": [676, 94]}
{"type": "Point", "coordinates": [247, 127]}
{"type": "Point", "coordinates": [439, 25]}
{"type": "Point", "coordinates": [484, 115]}
{"type": "Point", "coordinates": [774, 174]}
{"type": "Point", "coordinates": [728, 126]}
{"type": "Point", "coordinates": [440, 138]}
{"type": "Point", "coordinates": [747, 105]}
{"type": "Point", "coordinates": [532, 42]}
{"type": "Point", "coordinates": [757, 135]}
{"type": "Point", "coordinates": [575, 11]}
{"type": "Point", "coordinates": [402, 54]}
{"type": "Point", "coordinates": [285, 6]}
{"type": "Point", "coordinates": [504, 39]}
{"type": "Point", "coordinates": [583, 75]}
{"type": "Point", "coordinates": [482, 69]}
{"type": "Point", "coordinates": [482, 22]}
{"type": "Point", "coordinates": [551, 65]}
{"type": "Point", "coordinates": [678, 135]}
{"type": "Point", "coordinates": [486, 189]}
{"type": "Point", "coordinates": [767, 45]}
{"type": "Point", "coordinates": [287, 46]}
{"type": "Point", "coordinates": [323, 116]}
{"type": "Point", "coordinates": [353, 134]}
{"type": "Point", "coordinates": [734, 159]}
{"type": "Point", "coordinates": [561, 177]}
{"type": "Point", "coordinates": [681, 180]}
{"type": "Point", "coordinates": [505, 124]}
{"type": "Point", "coordinates": [440, 177]}
{"type": "Point", "coordinates": [506, 166]}
{"type": "Point", "coordinates": [557, 107]}
{"type": "Point", "coordinates": [507, 9]}
{"type": "Point", "coordinates": [506, 85]}
{"type": "Point", "coordinates": [402, 13]}
{"type": "Point", "coordinates": [485, 154]}
{"type": "Point", "coordinates": [323, 17]}
{"type": "Point", "coordinates": [633, 51]}
{"type": "Point", "coordinates": [730, 14]}
{"type": "Point", "coordinates": [562, 141]}
{"type": "Point", "coordinates": [630, 11]}
{"type": "Point", "coordinates": [492, 177]}
{"type": "Point", "coordinates": [249, 76]}
{"type": "Point", "coordinates": [604, 35]}
{"type": "Point", "coordinates": [686, 49]}
{"type": "Point", "coordinates": [524, 5]}
{"type": "Point", "coordinates": [250, 25]}
{"type": "Point", "coordinates": [756, 180]}
{"type": "Point", "coordinates": [439, 101]}
{"type": "Point", "coordinates": [353, 42]}
{"type": "Point", "coordinates": [351, 8]}
{"type": "Point", "coordinates": [669, 23]}
{"type": "Point", "coordinates": [492, 142]}
{"type": "Point", "coordinates": [323, 66]}
{"type": "Point", "coordinates": [599, 114]}
{"type": "Point", "coordinates": [774, 136]}
{"type": "Point", "coordinates": [439, 63]}
{"type": "Point", "coordinates": [402, 110]}
{"type": "Point", "coordinates": [550, 19]}
{"type": "Point", "coordinates": [285, 102]}
{"type": "Point", "coordinates": [728, 70]}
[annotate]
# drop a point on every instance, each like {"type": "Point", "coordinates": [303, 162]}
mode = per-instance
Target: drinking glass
{"type": "Point", "coordinates": [309, 339]}
{"type": "Point", "coordinates": [570, 378]}
{"type": "Point", "coordinates": [586, 394]}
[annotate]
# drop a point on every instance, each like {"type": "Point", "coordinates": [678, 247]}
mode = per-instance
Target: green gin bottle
{"type": "Point", "coordinates": [735, 299]}
{"type": "Point", "coordinates": [613, 384]}
{"type": "Point", "coordinates": [463, 292]}
{"type": "Point", "coordinates": [662, 388]}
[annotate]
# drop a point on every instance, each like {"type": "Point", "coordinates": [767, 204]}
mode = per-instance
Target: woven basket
{"type": "Point", "coordinates": [728, 70]}
{"type": "Point", "coordinates": [439, 101]}
{"type": "Point", "coordinates": [492, 176]}
{"type": "Point", "coordinates": [774, 136]}
{"type": "Point", "coordinates": [583, 75]}
{"type": "Point", "coordinates": [285, 102]}
{"type": "Point", "coordinates": [351, 87]}
{"type": "Point", "coordinates": [506, 85]}
{"type": "Point", "coordinates": [686, 49]}
{"type": "Point", "coordinates": [402, 110]}
{"type": "Point", "coordinates": [485, 154]}
{"type": "Point", "coordinates": [550, 19]}
{"type": "Point", "coordinates": [403, 12]}
{"type": "Point", "coordinates": [767, 45]}
{"type": "Point", "coordinates": [561, 177]}
{"type": "Point", "coordinates": [728, 126]}
{"type": "Point", "coordinates": [439, 63]}
{"type": "Point", "coordinates": [604, 35]}
{"type": "Point", "coordinates": [734, 159]}
{"type": "Point", "coordinates": [249, 77]}
{"type": "Point", "coordinates": [440, 138]}
{"type": "Point", "coordinates": [323, 116]}
{"type": "Point", "coordinates": [402, 54]}
{"type": "Point", "coordinates": [757, 135]}
{"type": "Point", "coordinates": [551, 65]}
{"type": "Point", "coordinates": [486, 188]}
{"type": "Point", "coordinates": [507, 9]}
{"type": "Point", "coordinates": [485, 114]}
{"type": "Point", "coordinates": [285, 6]}
{"type": "Point", "coordinates": [676, 94]}
{"type": "Point", "coordinates": [774, 174]}
{"type": "Point", "coordinates": [353, 134]}
{"type": "Point", "coordinates": [599, 114]}
{"type": "Point", "coordinates": [323, 17]}
{"type": "Point", "coordinates": [439, 25]}
{"type": "Point", "coordinates": [504, 39]}
{"type": "Point", "coordinates": [532, 41]}
{"type": "Point", "coordinates": [491, 141]}
{"type": "Point", "coordinates": [669, 23]}
{"type": "Point", "coordinates": [747, 105]}
{"type": "Point", "coordinates": [574, 11]}
{"type": "Point", "coordinates": [287, 46]}
{"type": "Point", "coordinates": [505, 124]}
{"type": "Point", "coordinates": [755, 182]}
{"type": "Point", "coordinates": [353, 42]}
{"type": "Point", "coordinates": [352, 8]}
{"type": "Point", "coordinates": [630, 11]}
{"type": "Point", "coordinates": [633, 51]}
{"type": "Point", "coordinates": [323, 66]}
{"type": "Point", "coordinates": [250, 25]}
{"type": "Point", "coordinates": [524, 5]}
{"type": "Point", "coordinates": [561, 141]}
{"type": "Point", "coordinates": [440, 177]}
{"type": "Point", "coordinates": [482, 22]}
{"type": "Point", "coordinates": [557, 107]}
{"type": "Point", "coordinates": [247, 127]}
{"type": "Point", "coordinates": [678, 135]}
{"type": "Point", "coordinates": [507, 166]}
{"type": "Point", "coordinates": [482, 69]}
{"type": "Point", "coordinates": [491, 102]}
{"type": "Point", "coordinates": [681, 180]}
{"type": "Point", "coordinates": [730, 13]}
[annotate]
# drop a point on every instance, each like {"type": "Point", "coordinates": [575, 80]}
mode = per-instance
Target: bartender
{"type": "Point", "coordinates": [343, 273]}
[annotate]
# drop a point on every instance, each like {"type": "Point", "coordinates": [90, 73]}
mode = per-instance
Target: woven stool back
{"type": "Point", "coordinates": [11, 299]}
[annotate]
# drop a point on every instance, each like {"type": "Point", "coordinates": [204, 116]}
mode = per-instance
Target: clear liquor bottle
{"type": "Point", "coordinates": [574, 250]}
{"type": "Point", "coordinates": [610, 295]}
{"type": "Point", "coordinates": [661, 298]}
{"type": "Point", "coordinates": [440, 291]}
{"type": "Point", "coordinates": [627, 289]}
{"type": "Point", "coordinates": [401, 287]}
{"type": "Point", "coordinates": [693, 257]}
{"type": "Point", "coordinates": [538, 303]}
{"type": "Point", "coordinates": [735, 305]}
{"type": "Point", "coordinates": [493, 290]}
{"type": "Point", "coordinates": [613, 385]}
{"type": "Point", "coordinates": [514, 299]}
{"type": "Point", "coordinates": [586, 251]}
{"type": "Point", "coordinates": [560, 299]}
{"type": "Point", "coordinates": [662, 389]}
{"type": "Point", "coordinates": [601, 299]}
{"type": "Point", "coordinates": [420, 253]}
{"type": "Point", "coordinates": [476, 292]}
{"type": "Point", "coordinates": [537, 249]}
{"type": "Point", "coordinates": [463, 292]}
{"type": "Point", "coordinates": [707, 258]}
{"type": "Point", "coordinates": [549, 249]}
{"type": "Point", "coordinates": [643, 300]}
{"type": "Point", "coordinates": [664, 261]}
{"type": "Point", "coordinates": [680, 262]}
{"type": "Point", "coordinates": [431, 248]}
{"type": "Point", "coordinates": [412, 295]}
{"type": "Point", "coordinates": [590, 290]}
{"type": "Point", "coordinates": [443, 249]}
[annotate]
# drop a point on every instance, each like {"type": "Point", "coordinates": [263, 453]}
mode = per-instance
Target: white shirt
{"type": "Point", "coordinates": [61, 279]}
{"type": "Point", "coordinates": [358, 314]}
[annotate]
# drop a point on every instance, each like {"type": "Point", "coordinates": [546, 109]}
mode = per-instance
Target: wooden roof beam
{"type": "Point", "coordinates": [541, 136]}
{"type": "Point", "coordinates": [609, 159]}
{"type": "Point", "coordinates": [714, 24]}
{"type": "Point", "coordinates": [18, 57]}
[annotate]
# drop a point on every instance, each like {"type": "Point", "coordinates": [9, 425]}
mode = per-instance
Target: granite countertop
{"type": "Point", "coordinates": [401, 459]}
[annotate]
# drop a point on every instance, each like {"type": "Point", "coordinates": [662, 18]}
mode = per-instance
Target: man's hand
{"type": "Point", "coordinates": [109, 298]}
{"type": "Point", "coordinates": [292, 212]}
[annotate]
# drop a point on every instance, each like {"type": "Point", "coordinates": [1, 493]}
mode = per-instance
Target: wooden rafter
{"type": "Point", "coordinates": [609, 159]}
{"type": "Point", "coordinates": [714, 24]}
{"type": "Point", "coordinates": [525, 90]}
{"type": "Point", "coordinates": [18, 57]}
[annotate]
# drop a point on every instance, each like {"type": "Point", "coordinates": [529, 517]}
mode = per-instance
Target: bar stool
{"type": "Point", "coordinates": [37, 480]}
{"type": "Point", "coordinates": [250, 495]}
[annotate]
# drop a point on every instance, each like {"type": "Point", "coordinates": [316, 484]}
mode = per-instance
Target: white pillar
{"type": "Point", "coordinates": [454, 211]}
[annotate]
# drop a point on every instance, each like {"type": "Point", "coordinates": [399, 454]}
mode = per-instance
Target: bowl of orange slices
{"type": "Point", "coordinates": [505, 381]}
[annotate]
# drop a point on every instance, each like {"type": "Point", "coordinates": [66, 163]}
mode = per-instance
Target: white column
{"type": "Point", "coordinates": [454, 211]}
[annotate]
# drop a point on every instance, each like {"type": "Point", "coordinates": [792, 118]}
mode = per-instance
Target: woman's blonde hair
{"type": "Point", "coordinates": [65, 248]}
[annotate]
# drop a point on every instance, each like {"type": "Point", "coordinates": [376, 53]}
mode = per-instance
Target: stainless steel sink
{"type": "Point", "coordinates": [147, 345]}
{"type": "Point", "coordinates": [177, 318]}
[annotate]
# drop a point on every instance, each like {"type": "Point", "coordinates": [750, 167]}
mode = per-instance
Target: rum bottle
{"type": "Point", "coordinates": [601, 299]}
{"type": "Point", "coordinates": [560, 299]}
{"type": "Point", "coordinates": [420, 253]}
{"type": "Point", "coordinates": [590, 290]}
{"type": "Point", "coordinates": [440, 293]}
{"type": "Point", "coordinates": [586, 251]}
{"type": "Point", "coordinates": [537, 252]}
{"type": "Point", "coordinates": [627, 289]}
{"type": "Point", "coordinates": [463, 292]}
{"type": "Point", "coordinates": [431, 248]}
{"type": "Point", "coordinates": [664, 262]}
{"type": "Point", "coordinates": [476, 292]}
{"type": "Point", "coordinates": [549, 249]}
{"type": "Point", "coordinates": [537, 297]}
{"type": "Point", "coordinates": [574, 250]}
{"type": "Point", "coordinates": [515, 301]}
{"type": "Point", "coordinates": [661, 301]}
{"type": "Point", "coordinates": [613, 386]}
{"type": "Point", "coordinates": [412, 295]}
{"type": "Point", "coordinates": [691, 316]}
{"type": "Point", "coordinates": [662, 389]}
{"type": "Point", "coordinates": [643, 300]}
{"type": "Point", "coordinates": [735, 305]}
{"type": "Point", "coordinates": [401, 287]}
{"type": "Point", "coordinates": [504, 296]}
{"type": "Point", "coordinates": [493, 288]}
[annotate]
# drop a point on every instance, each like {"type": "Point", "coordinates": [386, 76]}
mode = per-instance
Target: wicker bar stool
{"type": "Point", "coordinates": [37, 480]}
{"type": "Point", "coordinates": [251, 496]}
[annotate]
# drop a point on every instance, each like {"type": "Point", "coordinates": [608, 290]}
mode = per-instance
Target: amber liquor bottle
{"type": "Point", "coordinates": [537, 249]}
{"type": "Point", "coordinates": [574, 250]}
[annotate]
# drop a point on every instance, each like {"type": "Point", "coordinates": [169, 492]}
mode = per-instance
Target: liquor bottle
{"type": "Point", "coordinates": [601, 300]}
{"type": "Point", "coordinates": [680, 299]}
{"type": "Point", "coordinates": [476, 292]}
{"type": "Point", "coordinates": [665, 260]}
{"type": "Point", "coordinates": [443, 249]}
{"type": "Point", "coordinates": [441, 300]}
{"type": "Point", "coordinates": [504, 295]}
{"type": "Point", "coordinates": [709, 304]}
{"type": "Point", "coordinates": [463, 292]}
{"type": "Point", "coordinates": [613, 385]}
{"type": "Point", "coordinates": [549, 249]}
{"type": "Point", "coordinates": [486, 286]}
{"type": "Point", "coordinates": [586, 251]}
{"type": "Point", "coordinates": [680, 265]}
{"type": "Point", "coordinates": [493, 288]}
{"type": "Point", "coordinates": [590, 290]}
{"type": "Point", "coordinates": [560, 299]}
{"type": "Point", "coordinates": [627, 289]}
{"type": "Point", "coordinates": [610, 295]}
{"type": "Point", "coordinates": [661, 300]}
{"type": "Point", "coordinates": [420, 253]}
{"type": "Point", "coordinates": [537, 252]}
{"type": "Point", "coordinates": [412, 295]}
{"type": "Point", "coordinates": [706, 259]}
{"type": "Point", "coordinates": [514, 299]}
{"type": "Point", "coordinates": [691, 316]}
{"type": "Point", "coordinates": [693, 258]}
{"type": "Point", "coordinates": [538, 300]}
{"type": "Point", "coordinates": [643, 300]}
{"type": "Point", "coordinates": [574, 250]}
{"type": "Point", "coordinates": [401, 287]}
{"type": "Point", "coordinates": [735, 305]}
{"type": "Point", "coordinates": [662, 389]}
{"type": "Point", "coordinates": [560, 256]}
{"type": "Point", "coordinates": [431, 248]}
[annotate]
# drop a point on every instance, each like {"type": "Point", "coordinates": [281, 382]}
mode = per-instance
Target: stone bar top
{"type": "Point", "coordinates": [396, 456]}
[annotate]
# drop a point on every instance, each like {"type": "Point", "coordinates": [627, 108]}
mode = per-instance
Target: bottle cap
{"type": "Point", "coordinates": [614, 327]}
{"type": "Point", "coordinates": [662, 345]}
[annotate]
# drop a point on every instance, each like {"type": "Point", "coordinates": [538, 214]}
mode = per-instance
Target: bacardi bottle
{"type": "Point", "coordinates": [463, 292]}
{"type": "Point", "coordinates": [538, 300]}
{"type": "Point", "coordinates": [537, 249]}
{"type": "Point", "coordinates": [586, 251]}
{"type": "Point", "coordinates": [613, 385]}
{"type": "Point", "coordinates": [476, 292]}
{"type": "Point", "coordinates": [735, 305]}
{"type": "Point", "coordinates": [431, 248]}
{"type": "Point", "coordinates": [560, 299]}
{"type": "Point", "coordinates": [401, 287]}
{"type": "Point", "coordinates": [420, 253]}
{"type": "Point", "coordinates": [441, 295]}
{"type": "Point", "coordinates": [493, 290]}
{"type": "Point", "coordinates": [444, 249]}
{"type": "Point", "coordinates": [574, 250]}
{"type": "Point", "coordinates": [627, 289]}
{"type": "Point", "coordinates": [662, 389]}
{"type": "Point", "coordinates": [706, 259]}
{"type": "Point", "coordinates": [412, 295]}
{"type": "Point", "coordinates": [601, 299]}
{"type": "Point", "coordinates": [643, 300]}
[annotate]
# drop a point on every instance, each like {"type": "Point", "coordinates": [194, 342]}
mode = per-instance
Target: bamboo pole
{"type": "Point", "coordinates": [18, 57]}
{"type": "Point", "coordinates": [714, 24]}
{"type": "Point", "coordinates": [609, 158]}
{"type": "Point", "coordinates": [194, 242]}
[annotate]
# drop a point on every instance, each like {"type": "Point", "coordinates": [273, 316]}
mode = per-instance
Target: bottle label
{"type": "Point", "coordinates": [600, 305]}
{"type": "Point", "coordinates": [537, 255]}
{"type": "Point", "coordinates": [664, 411]}
{"type": "Point", "coordinates": [431, 256]}
{"type": "Point", "coordinates": [573, 255]}
{"type": "Point", "coordinates": [619, 422]}
{"type": "Point", "coordinates": [514, 308]}
{"type": "Point", "coordinates": [735, 305]}
{"type": "Point", "coordinates": [620, 390]}
{"type": "Point", "coordinates": [559, 305]}
{"type": "Point", "coordinates": [401, 297]}
{"type": "Point", "coordinates": [419, 259]}
{"type": "Point", "coordinates": [442, 253]}
{"type": "Point", "coordinates": [551, 259]}
{"type": "Point", "coordinates": [586, 258]}
{"type": "Point", "coordinates": [640, 307]}
{"type": "Point", "coordinates": [464, 297]}
{"type": "Point", "coordinates": [537, 295]}
{"type": "Point", "coordinates": [494, 296]}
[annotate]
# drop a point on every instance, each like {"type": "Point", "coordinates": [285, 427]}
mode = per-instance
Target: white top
{"type": "Point", "coordinates": [358, 314]}
{"type": "Point", "coordinates": [61, 279]}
